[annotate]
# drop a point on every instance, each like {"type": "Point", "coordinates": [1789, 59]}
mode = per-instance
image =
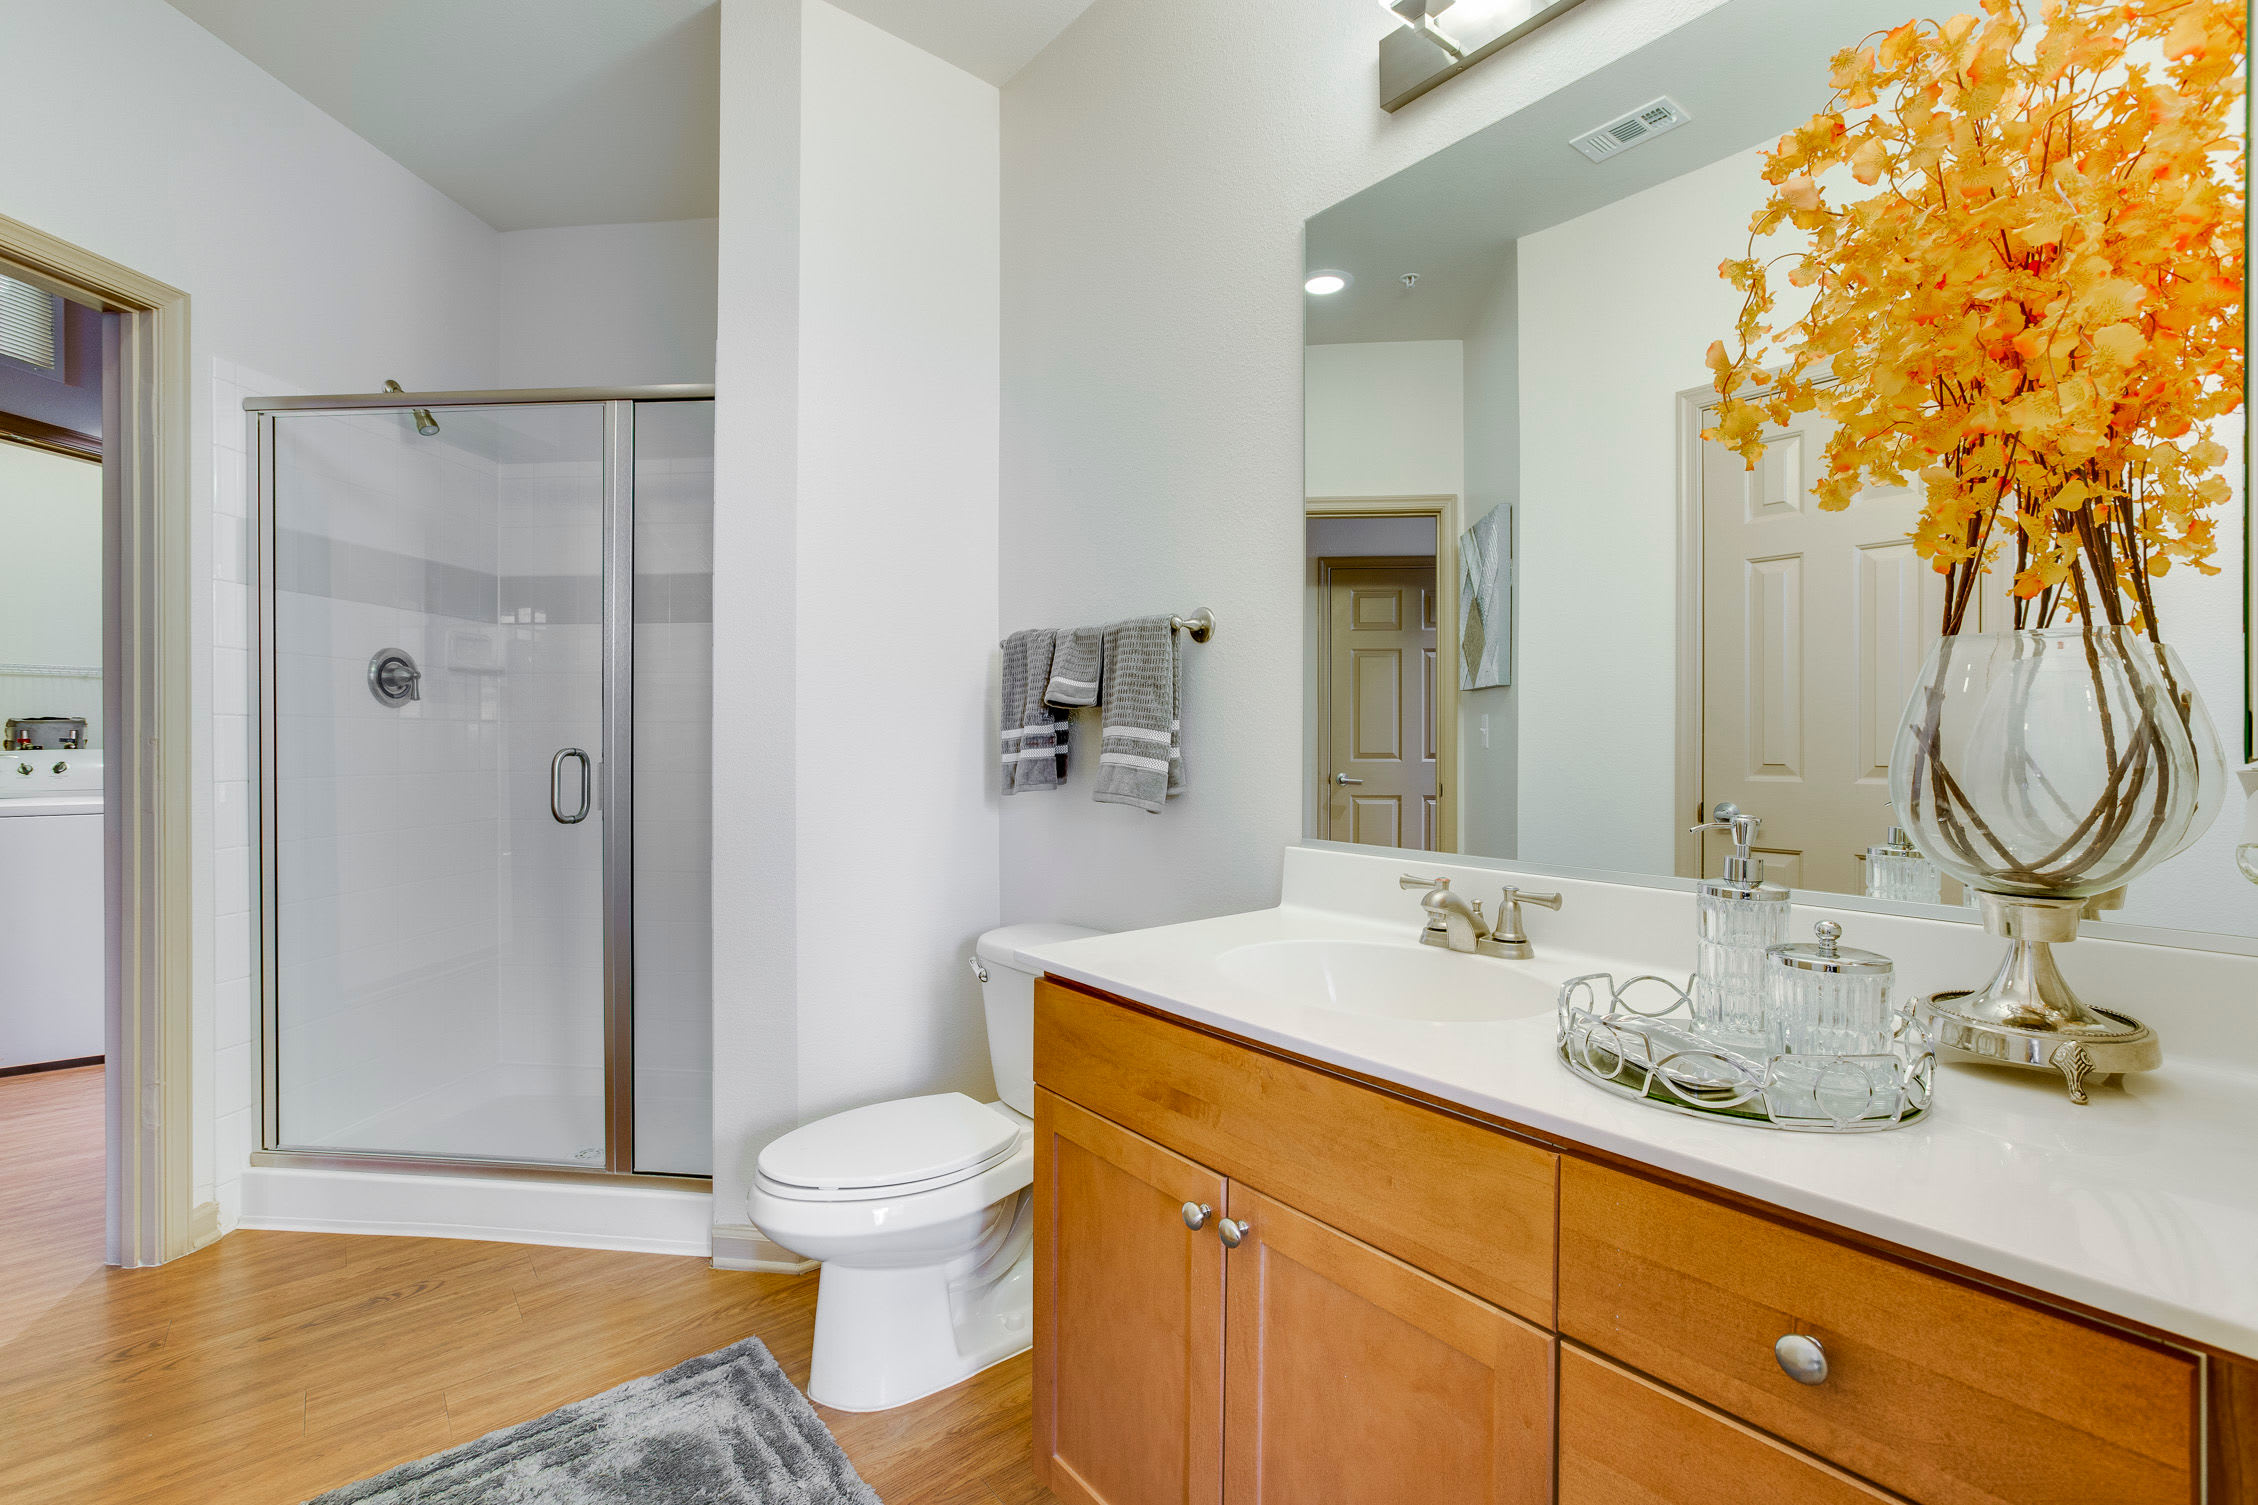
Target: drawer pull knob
{"type": "Point", "coordinates": [1231, 1233]}
{"type": "Point", "coordinates": [1801, 1359]}
{"type": "Point", "coordinates": [1195, 1215]}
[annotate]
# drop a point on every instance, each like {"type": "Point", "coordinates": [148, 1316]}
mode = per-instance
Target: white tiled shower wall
{"type": "Point", "coordinates": [389, 855]}
{"type": "Point", "coordinates": [551, 1040]}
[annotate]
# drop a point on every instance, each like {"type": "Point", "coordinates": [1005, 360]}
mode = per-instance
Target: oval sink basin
{"type": "Point", "coordinates": [1382, 981]}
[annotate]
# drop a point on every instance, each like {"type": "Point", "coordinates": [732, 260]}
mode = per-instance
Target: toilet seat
{"type": "Point", "coordinates": [889, 1150]}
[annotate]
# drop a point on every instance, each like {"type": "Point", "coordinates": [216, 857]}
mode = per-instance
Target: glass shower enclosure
{"type": "Point", "coordinates": [484, 733]}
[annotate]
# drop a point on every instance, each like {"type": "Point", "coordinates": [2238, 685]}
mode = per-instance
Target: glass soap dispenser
{"type": "Point", "coordinates": [1827, 999]}
{"type": "Point", "coordinates": [1897, 870]}
{"type": "Point", "coordinates": [1740, 917]}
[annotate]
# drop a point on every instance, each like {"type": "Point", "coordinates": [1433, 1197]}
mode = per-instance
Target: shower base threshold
{"type": "Point", "coordinates": [665, 1217]}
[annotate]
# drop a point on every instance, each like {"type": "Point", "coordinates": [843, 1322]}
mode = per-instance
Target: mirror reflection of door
{"type": "Point", "coordinates": [1814, 627]}
{"type": "Point", "coordinates": [1380, 721]}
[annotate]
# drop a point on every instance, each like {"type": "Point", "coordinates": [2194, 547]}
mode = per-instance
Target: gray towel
{"type": "Point", "coordinates": [1076, 670]}
{"type": "Point", "coordinates": [1140, 759]}
{"type": "Point", "coordinates": [1033, 744]}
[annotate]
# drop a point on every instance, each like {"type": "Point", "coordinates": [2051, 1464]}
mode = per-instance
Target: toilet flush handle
{"type": "Point", "coordinates": [978, 970]}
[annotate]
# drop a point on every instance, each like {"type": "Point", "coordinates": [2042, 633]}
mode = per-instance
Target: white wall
{"type": "Point", "coordinates": [1489, 775]}
{"type": "Point", "coordinates": [307, 253]}
{"type": "Point", "coordinates": [856, 513]}
{"type": "Point", "coordinates": [608, 305]}
{"type": "Point", "coordinates": [1155, 192]}
{"type": "Point", "coordinates": [1603, 357]}
{"type": "Point", "coordinates": [50, 584]}
{"type": "Point", "coordinates": [1385, 419]}
{"type": "Point", "coordinates": [1382, 419]}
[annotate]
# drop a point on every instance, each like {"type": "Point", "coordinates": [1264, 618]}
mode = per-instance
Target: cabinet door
{"type": "Point", "coordinates": [1352, 1376]}
{"type": "Point", "coordinates": [1128, 1316]}
{"type": "Point", "coordinates": [1626, 1439]}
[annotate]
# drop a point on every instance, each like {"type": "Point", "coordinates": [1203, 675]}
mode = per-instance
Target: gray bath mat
{"type": "Point", "coordinates": [725, 1429]}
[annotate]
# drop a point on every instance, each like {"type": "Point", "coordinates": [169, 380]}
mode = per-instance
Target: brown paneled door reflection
{"type": "Point", "coordinates": [1814, 626]}
{"type": "Point", "coordinates": [1380, 702]}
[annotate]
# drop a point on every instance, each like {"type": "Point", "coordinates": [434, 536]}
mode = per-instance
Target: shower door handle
{"type": "Point", "coordinates": [556, 786]}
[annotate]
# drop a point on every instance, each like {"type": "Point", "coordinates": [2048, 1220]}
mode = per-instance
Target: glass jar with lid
{"type": "Point", "coordinates": [1825, 998]}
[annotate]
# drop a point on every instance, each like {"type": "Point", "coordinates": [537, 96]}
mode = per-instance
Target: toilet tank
{"type": "Point", "coordinates": [1009, 995]}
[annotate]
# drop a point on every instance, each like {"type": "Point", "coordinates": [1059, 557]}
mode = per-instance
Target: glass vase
{"type": "Point", "coordinates": [2057, 763]}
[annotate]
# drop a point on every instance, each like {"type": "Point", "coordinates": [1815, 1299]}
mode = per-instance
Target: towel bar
{"type": "Point", "coordinates": [1200, 624]}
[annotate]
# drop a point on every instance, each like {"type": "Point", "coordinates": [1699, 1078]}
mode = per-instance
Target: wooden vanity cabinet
{"type": "Point", "coordinates": [1302, 1365]}
{"type": "Point", "coordinates": [1387, 1329]}
{"type": "Point", "coordinates": [1128, 1315]}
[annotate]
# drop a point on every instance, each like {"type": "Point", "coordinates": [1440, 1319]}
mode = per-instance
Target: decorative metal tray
{"type": "Point", "coordinates": [1653, 1051]}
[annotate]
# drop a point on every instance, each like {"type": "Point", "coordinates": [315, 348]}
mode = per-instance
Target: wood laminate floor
{"type": "Point", "coordinates": [272, 1366]}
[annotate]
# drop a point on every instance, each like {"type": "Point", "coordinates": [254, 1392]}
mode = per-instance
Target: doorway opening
{"type": "Point", "coordinates": [131, 687]}
{"type": "Point", "coordinates": [1381, 717]}
{"type": "Point", "coordinates": [52, 929]}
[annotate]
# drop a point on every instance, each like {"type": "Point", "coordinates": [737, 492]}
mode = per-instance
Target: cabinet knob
{"type": "Point", "coordinates": [1195, 1215]}
{"type": "Point", "coordinates": [1231, 1233]}
{"type": "Point", "coordinates": [1801, 1359]}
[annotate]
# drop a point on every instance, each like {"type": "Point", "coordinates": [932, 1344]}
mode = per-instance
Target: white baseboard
{"type": "Point", "coordinates": [572, 1215]}
{"type": "Point", "coordinates": [741, 1246]}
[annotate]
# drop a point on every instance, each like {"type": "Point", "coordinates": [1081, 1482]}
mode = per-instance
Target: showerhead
{"type": "Point", "coordinates": [426, 425]}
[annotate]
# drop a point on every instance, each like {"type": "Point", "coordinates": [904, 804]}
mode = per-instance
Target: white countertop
{"type": "Point", "coordinates": [2143, 1204]}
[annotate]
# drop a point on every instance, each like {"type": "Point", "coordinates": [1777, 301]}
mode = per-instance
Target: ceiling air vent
{"type": "Point", "coordinates": [1626, 131]}
{"type": "Point", "coordinates": [27, 323]}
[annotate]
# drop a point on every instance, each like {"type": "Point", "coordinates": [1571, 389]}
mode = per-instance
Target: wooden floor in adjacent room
{"type": "Point", "coordinates": [272, 1366]}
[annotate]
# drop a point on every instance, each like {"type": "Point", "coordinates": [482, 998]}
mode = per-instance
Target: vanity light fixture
{"type": "Point", "coordinates": [1419, 54]}
{"type": "Point", "coordinates": [1325, 284]}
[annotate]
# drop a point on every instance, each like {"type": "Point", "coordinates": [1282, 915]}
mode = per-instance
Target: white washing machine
{"type": "Point", "coordinates": [51, 931]}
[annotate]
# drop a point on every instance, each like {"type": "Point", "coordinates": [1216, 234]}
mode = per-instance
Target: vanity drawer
{"type": "Point", "coordinates": [1945, 1393]}
{"type": "Point", "coordinates": [1624, 1438]}
{"type": "Point", "coordinates": [1464, 1203]}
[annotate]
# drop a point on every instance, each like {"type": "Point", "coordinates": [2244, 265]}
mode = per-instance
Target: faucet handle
{"type": "Point", "coordinates": [1512, 942]}
{"type": "Point", "coordinates": [1409, 880]}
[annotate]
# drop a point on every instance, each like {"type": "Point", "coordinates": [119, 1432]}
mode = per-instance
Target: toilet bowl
{"type": "Point", "coordinates": [921, 1212]}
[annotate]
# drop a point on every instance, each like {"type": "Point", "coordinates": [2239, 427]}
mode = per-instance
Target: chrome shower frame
{"type": "Point", "coordinates": [617, 785]}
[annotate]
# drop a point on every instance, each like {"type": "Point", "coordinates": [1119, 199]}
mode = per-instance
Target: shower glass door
{"type": "Point", "coordinates": [434, 714]}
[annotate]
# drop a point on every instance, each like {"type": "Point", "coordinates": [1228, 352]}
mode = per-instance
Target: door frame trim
{"type": "Point", "coordinates": [149, 611]}
{"type": "Point", "coordinates": [1444, 509]}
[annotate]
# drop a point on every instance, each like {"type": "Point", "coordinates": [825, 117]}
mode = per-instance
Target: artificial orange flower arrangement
{"type": "Point", "coordinates": [2037, 305]}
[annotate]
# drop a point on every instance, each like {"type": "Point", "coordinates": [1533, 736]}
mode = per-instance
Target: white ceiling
{"type": "Point", "coordinates": [535, 113]}
{"type": "Point", "coordinates": [990, 39]}
{"type": "Point", "coordinates": [1747, 71]}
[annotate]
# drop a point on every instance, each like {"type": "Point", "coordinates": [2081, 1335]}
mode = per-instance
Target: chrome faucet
{"type": "Point", "coordinates": [1451, 920]}
{"type": "Point", "coordinates": [1457, 924]}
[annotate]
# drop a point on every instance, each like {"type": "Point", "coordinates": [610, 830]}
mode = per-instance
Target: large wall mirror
{"type": "Point", "coordinates": [1547, 621]}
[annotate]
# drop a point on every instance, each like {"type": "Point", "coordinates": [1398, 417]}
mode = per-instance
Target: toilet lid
{"type": "Point", "coordinates": [889, 1144]}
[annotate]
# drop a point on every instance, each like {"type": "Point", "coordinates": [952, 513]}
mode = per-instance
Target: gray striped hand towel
{"type": "Point", "coordinates": [1033, 742]}
{"type": "Point", "coordinates": [1140, 758]}
{"type": "Point", "coordinates": [1077, 667]}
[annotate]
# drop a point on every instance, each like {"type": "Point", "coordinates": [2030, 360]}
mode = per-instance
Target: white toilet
{"type": "Point", "coordinates": [922, 1213]}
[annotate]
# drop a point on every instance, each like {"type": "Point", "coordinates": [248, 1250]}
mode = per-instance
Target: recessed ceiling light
{"type": "Point", "coordinates": [1325, 284]}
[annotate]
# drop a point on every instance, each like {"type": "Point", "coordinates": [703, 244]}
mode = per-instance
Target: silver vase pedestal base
{"type": "Point", "coordinates": [2027, 1015]}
